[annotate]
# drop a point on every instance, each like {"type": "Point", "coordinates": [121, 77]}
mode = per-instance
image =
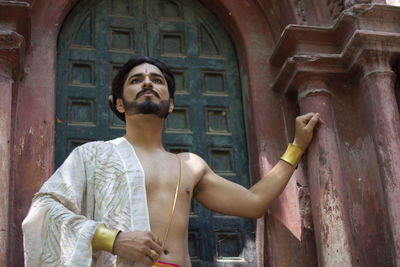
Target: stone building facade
{"type": "Point", "coordinates": [338, 58]}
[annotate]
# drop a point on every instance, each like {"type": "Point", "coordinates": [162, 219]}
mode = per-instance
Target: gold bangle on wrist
{"type": "Point", "coordinates": [292, 155]}
{"type": "Point", "coordinates": [104, 238]}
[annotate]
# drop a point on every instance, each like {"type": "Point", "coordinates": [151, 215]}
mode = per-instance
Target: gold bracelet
{"type": "Point", "coordinates": [292, 155]}
{"type": "Point", "coordinates": [104, 238]}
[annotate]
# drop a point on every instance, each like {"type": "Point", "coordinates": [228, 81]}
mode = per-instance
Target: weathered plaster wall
{"type": "Point", "coordinates": [34, 124]}
{"type": "Point", "coordinates": [347, 73]}
{"type": "Point", "coordinates": [14, 39]}
{"type": "Point", "coordinates": [354, 175]}
{"type": "Point", "coordinates": [366, 205]}
{"type": "Point", "coordinates": [5, 147]}
{"type": "Point", "coordinates": [397, 90]}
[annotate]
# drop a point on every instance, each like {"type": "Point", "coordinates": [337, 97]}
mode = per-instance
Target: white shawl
{"type": "Point", "coordinates": [99, 182]}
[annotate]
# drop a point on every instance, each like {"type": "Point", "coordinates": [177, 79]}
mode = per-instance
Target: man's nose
{"type": "Point", "coordinates": [147, 82]}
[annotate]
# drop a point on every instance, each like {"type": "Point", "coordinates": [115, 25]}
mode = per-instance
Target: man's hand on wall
{"type": "Point", "coordinates": [305, 126]}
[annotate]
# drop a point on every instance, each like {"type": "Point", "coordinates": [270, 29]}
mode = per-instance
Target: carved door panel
{"type": "Point", "coordinates": [98, 37]}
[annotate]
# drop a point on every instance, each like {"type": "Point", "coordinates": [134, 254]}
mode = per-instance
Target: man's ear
{"type": "Point", "coordinates": [120, 105]}
{"type": "Point", "coordinates": [171, 105]}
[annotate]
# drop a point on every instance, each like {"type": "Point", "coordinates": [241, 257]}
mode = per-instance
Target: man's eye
{"type": "Point", "coordinates": [157, 81]}
{"type": "Point", "coordinates": [133, 81]}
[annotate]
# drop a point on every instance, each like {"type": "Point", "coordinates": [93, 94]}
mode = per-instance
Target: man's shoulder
{"type": "Point", "coordinates": [189, 156]}
{"type": "Point", "coordinates": [193, 160]}
{"type": "Point", "coordinates": [98, 147]}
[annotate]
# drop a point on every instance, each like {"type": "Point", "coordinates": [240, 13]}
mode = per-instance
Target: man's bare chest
{"type": "Point", "coordinates": [161, 177]}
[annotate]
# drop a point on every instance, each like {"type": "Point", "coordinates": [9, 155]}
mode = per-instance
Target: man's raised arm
{"type": "Point", "coordinates": [224, 196]}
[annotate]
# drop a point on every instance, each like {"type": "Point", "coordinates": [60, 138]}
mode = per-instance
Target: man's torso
{"type": "Point", "coordinates": [161, 172]}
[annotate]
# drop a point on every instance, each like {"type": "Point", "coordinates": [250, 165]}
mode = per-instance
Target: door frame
{"type": "Point", "coordinates": [35, 110]}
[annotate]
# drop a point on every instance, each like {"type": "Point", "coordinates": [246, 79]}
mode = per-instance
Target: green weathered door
{"type": "Point", "coordinates": [99, 36]}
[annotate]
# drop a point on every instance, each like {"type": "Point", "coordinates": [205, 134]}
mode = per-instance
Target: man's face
{"type": "Point", "coordinates": [146, 92]}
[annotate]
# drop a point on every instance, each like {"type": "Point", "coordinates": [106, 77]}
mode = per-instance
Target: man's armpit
{"type": "Point", "coordinates": [195, 191]}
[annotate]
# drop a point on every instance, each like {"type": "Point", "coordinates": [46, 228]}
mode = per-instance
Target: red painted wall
{"type": "Point", "coordinates": [33, 150]}
{"type": "Point", "coordinates": [277, 64]}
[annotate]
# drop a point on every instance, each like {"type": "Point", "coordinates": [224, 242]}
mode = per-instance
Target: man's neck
{"type": "Point", "coordinates": [145, 131]}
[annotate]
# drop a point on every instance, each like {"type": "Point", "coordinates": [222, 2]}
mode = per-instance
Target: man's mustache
{"type": "Point", "coordinates": [144, 90]}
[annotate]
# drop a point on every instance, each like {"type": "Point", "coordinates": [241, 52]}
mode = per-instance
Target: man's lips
{"type": "Point", "coordinates": [147, 92]}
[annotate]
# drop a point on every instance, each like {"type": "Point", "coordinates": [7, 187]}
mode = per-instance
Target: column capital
{"type": "Point", "coordinates": [313, 86]}
{"type": "Point", "coordinates": [354, 44]}
{"type": "Point", "coordinates": [351, 3]}
{"type": "Point", "coordinates": [376, 62]}
{"type": "Point", "coordinates": [16, 16]}
{"type": "Point", "coordinates": [15, 35]}
{"type": "Point", "coordinates": [12, 46]}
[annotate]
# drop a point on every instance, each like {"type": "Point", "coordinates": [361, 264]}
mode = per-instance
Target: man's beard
{"type": "Point", "coordinates": [160, 109]}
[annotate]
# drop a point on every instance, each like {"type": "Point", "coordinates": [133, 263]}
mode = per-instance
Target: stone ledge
{"type": "Point", "coordinates": [12, 48]}
{"type": "Point", "coordinates": [336, 52]}
{"type": "Point", "coordinates": [16, 16]}
{"type": "Point", "coordinates": [311, 40]}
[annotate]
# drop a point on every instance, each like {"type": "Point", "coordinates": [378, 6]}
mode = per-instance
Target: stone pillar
{"type": "Point", "coordinates": [5, 159]}
{"type": "Point", "coordinates": [331, 221]}
{"type": "Point", "coordinates": [12, 46]}
{"type": "Point", "coordinates": [378, 83]}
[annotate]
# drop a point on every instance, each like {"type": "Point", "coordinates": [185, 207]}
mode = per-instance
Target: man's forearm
{"type": "Point", "coordinates": [275, 181]}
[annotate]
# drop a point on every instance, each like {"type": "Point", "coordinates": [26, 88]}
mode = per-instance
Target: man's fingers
{"type": "Point", "coordinates": [319, 123]}
{"type": "Point", "coordinates": [154, 243]}
{"type": "Point", "coordinates": [156, 247]}
{"type": "Point", "coordinates": [304, 119]}
{"type": "Point", "coordinates": [307, 116]}
{"type": "Point", "coordinates": [157, 240]}
{"type": "Point", "coordinates": [153, 254]}
{"type": "Point", "coordinates": [313, 121]}
{"type": "Point", "coordinates": [146, 260]}
{"type": "Point", "coordinates": [305, 125]}
{"type": "Point", "coordinates": [152, 236]}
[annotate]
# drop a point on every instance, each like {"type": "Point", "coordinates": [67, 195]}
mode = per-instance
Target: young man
{"type": "Point", "coordinates": [129, 196]}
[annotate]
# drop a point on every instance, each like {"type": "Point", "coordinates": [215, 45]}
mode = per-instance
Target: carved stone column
{"type": "Point", "coordinates": [379, 85]}
{"type": "Point", "coordinates": [331, 222]}
{"type": "Point", "coordinates": [11, 47]}
{"type": "Point", "coordinates": [15, 31]}
{"type": "Point", "coordinates": [5, 140]}
{"type": "Point", "coordinates": [360, 197]}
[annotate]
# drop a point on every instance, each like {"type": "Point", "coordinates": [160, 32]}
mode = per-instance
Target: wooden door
{"type": "Point", "coordinates": [98, 37]}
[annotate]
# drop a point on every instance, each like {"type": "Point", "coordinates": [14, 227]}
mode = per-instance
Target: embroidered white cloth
{"type": "Point", "coordinates": [99, 182]}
